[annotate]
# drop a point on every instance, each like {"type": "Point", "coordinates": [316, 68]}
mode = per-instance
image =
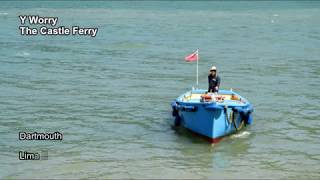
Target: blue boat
{"type": "Point", "coordinates": [213, 115]}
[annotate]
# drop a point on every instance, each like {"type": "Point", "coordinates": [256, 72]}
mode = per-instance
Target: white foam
{"type": "Point", "coordinates": [275, 15]}
{"type": "Point", "coordinates": [243, 134]}
{"type": "Point", "coordinates": [26, 53]}
{"type": "Point", "coordinates": [23, 54]}
{"type": "Point", "coordinates": [3, 13]}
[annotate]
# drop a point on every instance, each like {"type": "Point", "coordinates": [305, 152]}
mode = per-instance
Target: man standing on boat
{"type": "Point", "coordinates": [213, 80]}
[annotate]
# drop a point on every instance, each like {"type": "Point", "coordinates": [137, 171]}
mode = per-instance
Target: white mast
{"type": "Point", "coordinates": [197, 67]}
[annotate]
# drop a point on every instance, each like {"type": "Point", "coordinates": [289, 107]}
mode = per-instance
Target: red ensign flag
{"type": "Point", "coordinates": [192, 57]}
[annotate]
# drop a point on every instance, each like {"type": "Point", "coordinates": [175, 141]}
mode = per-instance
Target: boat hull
{"type": "Point", "coordinates": [212, 120]}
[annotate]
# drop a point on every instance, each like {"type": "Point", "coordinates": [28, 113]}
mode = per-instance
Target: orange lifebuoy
{"type": "Point", "coordinates": [220, 98]}
{"type": "Point", "coordinates": [206, 97]}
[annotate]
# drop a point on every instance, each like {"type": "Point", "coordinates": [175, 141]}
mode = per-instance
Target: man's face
{"type": "Point", "coordinates": [213, 72]}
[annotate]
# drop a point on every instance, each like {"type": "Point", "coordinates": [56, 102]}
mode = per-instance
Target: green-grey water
{"type": "Point", "coordinates": [110, 95]}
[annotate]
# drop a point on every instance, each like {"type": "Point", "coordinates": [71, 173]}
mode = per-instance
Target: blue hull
{"type": "Point", "coordinates": [213, 119]}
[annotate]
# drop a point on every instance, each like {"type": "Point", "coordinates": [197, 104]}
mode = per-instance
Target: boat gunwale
{"type": "Point", "coordinates": [226, 92]}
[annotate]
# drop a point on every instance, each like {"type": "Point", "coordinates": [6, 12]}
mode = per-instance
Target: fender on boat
{"type": "Point", "coordinates": [176, 107]}
{"type": "Point", "coordinates": [250, 119]}
{"type": "Point", "coordinates": [188, 108]}
{"type": "Point", "coordinates": [245, 113]}
{"type": "Point", "coordinates": [177, 121]}
{"type": "Point", "coordinates": [175, 113]}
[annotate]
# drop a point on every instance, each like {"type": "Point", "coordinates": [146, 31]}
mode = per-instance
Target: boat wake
{"type": "Point", "coordinates": [243, 134]}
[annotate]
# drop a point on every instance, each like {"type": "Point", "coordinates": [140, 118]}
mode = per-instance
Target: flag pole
{"type": "Point", "coordinates": [197, 67]}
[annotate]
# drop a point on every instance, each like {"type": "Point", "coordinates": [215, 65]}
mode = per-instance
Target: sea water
{"type": "Point", "coordinates": [110, 94]}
